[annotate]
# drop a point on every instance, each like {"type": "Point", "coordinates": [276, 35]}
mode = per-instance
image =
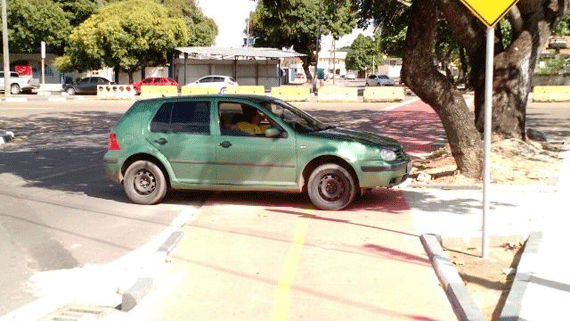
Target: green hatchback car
{"type": "Point", "coordinates": [245, 143]}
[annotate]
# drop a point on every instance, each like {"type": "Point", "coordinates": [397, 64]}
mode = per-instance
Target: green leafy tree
{"type": "Point", "coordinates": [78, 11]}
{"type": "Point", "coordinates": [202, 30]}
{"type": "Point", "coordinates": [563, 27]}
{"type": "Point", "coordinates": [33, 21]}
{"type": "Point", "coordinates": [364, 53]}
{"type": "Point", "coordinates": [127, 35]}
{"type": "Point", "coordinates": [520, 37]}
{"type": "Point", "coordinates": [294, 23]}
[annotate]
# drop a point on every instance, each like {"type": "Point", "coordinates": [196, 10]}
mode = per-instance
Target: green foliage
{"type": "Point", "coordinates": [33, 21]}
{"type": "Point", "coordinates": [127, 35]}
{"type": "Point", "coordinates": [202, 31]}
{"type": "Point", "coordinates": [563, 27]}
{"type": "Point", "coordinates": [294, 23]}
{"type": "Point", "coordinates": [553, 66]}
{"type": "Point", "coordinates": [364, 52]}
{"type": "Point", "coordinates": [78, 11]}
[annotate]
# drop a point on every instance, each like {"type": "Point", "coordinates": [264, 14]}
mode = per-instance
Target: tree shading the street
{"type": "Point", "coordinates": [294, 24]}
{"type": "Point", "coordinates": [127, 35]}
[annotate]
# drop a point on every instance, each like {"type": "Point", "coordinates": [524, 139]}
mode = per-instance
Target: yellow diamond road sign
{"type": "Point", "coordinates": [489, 11]}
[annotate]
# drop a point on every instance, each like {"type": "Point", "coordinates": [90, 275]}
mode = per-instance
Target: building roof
{"type": "Point", "coordinates": [236, 53]}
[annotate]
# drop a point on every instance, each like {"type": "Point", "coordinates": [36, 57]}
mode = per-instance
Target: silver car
{"type": "Point", "coordinates": [220, 82]}
{"type": "Point", "coordinates": [379, 80]}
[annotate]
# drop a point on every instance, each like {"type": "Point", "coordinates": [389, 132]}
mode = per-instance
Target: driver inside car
{"type": "Point", "coordinates": [252, 125]}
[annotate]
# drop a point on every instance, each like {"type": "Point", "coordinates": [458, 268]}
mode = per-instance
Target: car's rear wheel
{"type": "Point", "coordinates": [144, 183]}
{"type": "Point", "coordinates": [331, 187]}
{"type": "Point", "coordinates": [15, 89]}
{"type": "Point", "coordinates": [223, 90]}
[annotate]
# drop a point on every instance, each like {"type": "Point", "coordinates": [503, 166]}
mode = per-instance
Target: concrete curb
{"type": "Point", "coordinates": [140, 288]}
{"type": "Point", "coordinates": [41, 98]}
{"type": "Point", "coordinates": [513, 304]}
{"type": "Point", "coordinates": [6, 136]}
{"type": "Point", "coordinates": [461, 301]}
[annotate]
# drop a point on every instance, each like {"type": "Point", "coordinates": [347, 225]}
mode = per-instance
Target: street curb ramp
{"type": "Point", "coordinates": [134, 294]}
{"type": "Point", "coordinates": [461, 301]}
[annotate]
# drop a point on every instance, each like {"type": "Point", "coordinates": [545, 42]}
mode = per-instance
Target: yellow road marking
{"type": "Point", "coordinates": [282, 299]}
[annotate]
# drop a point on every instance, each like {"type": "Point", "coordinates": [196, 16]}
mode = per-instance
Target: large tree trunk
{"type": "Point", "coordinates": [422, 76]}
{"type": "Point", "coordinates": [532, 22]}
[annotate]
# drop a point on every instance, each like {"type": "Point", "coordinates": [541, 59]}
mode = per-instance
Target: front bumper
{"type": "Point", "coordinates": [384, 175]}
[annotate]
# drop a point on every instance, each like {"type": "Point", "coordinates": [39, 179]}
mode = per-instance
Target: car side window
{"type": "Point", "coordinates": [93, 80]}
{"type": "Point", "coordinates": [191, 117]}
{"type": "Point", "coordinates": [207, 79]}
{"type": "Point", "coordinates": [237, 119]}
{"type": "Point", "coordinates": [161, 121]}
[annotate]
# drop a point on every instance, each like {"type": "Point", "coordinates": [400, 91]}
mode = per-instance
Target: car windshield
{"type": "Point", "coordinates": [297, 119]}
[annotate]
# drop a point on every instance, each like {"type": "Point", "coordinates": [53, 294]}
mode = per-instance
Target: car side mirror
{"type": "Point", "coordinates": [272, 132]}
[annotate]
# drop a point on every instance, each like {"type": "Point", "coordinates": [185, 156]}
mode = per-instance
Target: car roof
{"type": "Point", "coordinates": [252, 98]}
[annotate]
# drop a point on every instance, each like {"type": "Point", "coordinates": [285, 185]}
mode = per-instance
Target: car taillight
{"type": "Point", "coordinates": [113, 144]}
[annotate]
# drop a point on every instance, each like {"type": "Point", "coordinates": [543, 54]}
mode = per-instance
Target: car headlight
{"type": "Point", "coordinates": [387, 155]}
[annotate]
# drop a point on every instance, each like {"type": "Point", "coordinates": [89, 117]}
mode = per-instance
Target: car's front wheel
{"type": "Point", "coordinates": [70, 91]}
{"type": "Point", "coordinates": [15, 89]}
{"type": "Point", "coordinates": [331, 187]}
{"type": "Point", "coordinates": [144, 183]}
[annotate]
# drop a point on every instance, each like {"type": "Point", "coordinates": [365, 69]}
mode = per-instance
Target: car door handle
{"type": "Point", "coordinates": [226, 144]}
{"type": "Point", "coordinates": [161, 141]}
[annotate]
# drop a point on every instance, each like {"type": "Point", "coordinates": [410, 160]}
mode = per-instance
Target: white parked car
{"type": "Point", "coordinates": [220, 82]}
{"type": "Point", "coordinates": [19, 84]}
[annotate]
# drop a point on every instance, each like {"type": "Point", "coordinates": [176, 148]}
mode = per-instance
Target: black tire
{"type": "Point", "coordinates": [15, 89]}
{"type": "Point", "coordinates": [144, 183]}
{"type": "Point", "coordinates": [331, 187]}
{"type": "Point", "coordinates": [223, 90]}
{"type": "Point", "coordinates": [70, 91]}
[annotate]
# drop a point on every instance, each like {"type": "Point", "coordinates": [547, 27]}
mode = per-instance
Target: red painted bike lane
{"type": "Point", "coordinates": [415, 125]}
{"type": "Point", "coordinates": [260, 256]}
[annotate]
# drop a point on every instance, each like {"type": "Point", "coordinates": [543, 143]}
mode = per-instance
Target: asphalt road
{"type": "Point", "coordinates": [58, 210]}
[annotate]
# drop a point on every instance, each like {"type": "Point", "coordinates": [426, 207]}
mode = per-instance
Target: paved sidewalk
{"type": "Point", "coordinates": [541, 289]}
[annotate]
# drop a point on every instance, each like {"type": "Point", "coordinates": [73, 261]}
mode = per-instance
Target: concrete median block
{"type": "Point", "coordinates": [188, 90]}
{"type": "Point", "coordinates": [248, 90]}
{"type": "Point", "coordinates": [551, 93]}
{"type": "Point", "coordinates": [115, 92]}
{"type": "Point", "coordinates": [338, 94]}
{"type": "Point", "coordinates": [291, 93]}
{"type": "Point", "coordinates": [158, 91]}
{"type": "Point", "coordinates": [386, 93]}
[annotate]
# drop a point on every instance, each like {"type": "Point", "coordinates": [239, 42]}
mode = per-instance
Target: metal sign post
{"type": "Point", "coordinates": [487, 144]}
{"type": "Point", "coordinates": [490, 12]}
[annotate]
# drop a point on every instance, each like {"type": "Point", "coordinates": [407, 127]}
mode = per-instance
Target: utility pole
{"type": "Point", "coordinates": [6, 51]}
{"type": "Point", "coordinates": [317, 47]}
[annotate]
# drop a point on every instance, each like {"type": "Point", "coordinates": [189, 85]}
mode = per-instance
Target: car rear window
{"type": "Point", "coordinates": [192, 117]}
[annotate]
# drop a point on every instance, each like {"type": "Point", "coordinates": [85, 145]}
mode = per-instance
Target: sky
{"type": "Point", "coordinates": [230, 16]}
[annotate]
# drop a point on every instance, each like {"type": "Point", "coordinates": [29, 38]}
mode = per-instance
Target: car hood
{"type": "Point", "coordinates": [355, 136]}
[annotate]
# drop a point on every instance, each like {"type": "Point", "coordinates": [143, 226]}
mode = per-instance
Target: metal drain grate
{"type": "Point", "coordinates": [78, 312]}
